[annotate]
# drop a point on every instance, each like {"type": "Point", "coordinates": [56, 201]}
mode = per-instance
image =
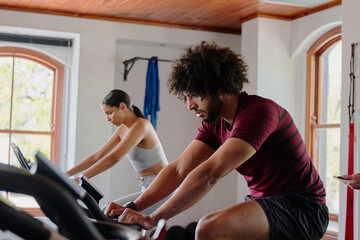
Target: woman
{"type": "Point", "coordinates": [135, 138]}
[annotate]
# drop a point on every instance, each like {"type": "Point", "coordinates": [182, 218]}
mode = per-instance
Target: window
{"type": "Point", "coordinates": [323, 115]}
{"type": "Point", "coordinates": [31, 86]}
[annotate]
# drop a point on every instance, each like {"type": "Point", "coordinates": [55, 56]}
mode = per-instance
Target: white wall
{"type": "Point", "coordinates": [266, 47]}
{"type": "Point", "coordinates": [103, 45]}
{"type": "Point", "coordinates": [275, 67]}
{"type": "Point", "coordinates": [249, 50]}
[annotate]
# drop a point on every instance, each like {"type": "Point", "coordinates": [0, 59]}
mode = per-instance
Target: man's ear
{"type": "Point", "coordinates": [221, 94]}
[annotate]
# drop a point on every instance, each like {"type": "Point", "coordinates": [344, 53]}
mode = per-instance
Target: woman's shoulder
{"type": "Point", "coordinates": [121, 131]}
{"type": "Point", "coordinates": [141, 126]}
{"type": "Point", "coordinates": [142, 123]}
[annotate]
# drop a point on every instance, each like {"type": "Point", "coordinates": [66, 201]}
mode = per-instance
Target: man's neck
{"type": "Point", "coordinates": [228, 110]}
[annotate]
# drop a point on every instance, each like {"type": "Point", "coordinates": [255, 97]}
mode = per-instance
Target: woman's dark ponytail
{"type": "Point", "coordinates": [117, 96]}
{"type": "Point", "coordinates": [137, 111]}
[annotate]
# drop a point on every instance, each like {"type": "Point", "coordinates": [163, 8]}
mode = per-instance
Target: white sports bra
{"type": "Point", "coordinates": [142, 158]}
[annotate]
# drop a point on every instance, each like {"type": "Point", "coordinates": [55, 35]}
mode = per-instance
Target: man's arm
{"type": "Point", "coordinates": [169, 177]}
{"type": "Point", "coordinates": [229, 156]}
{"type": "Point", "coordinates": [200, 181]}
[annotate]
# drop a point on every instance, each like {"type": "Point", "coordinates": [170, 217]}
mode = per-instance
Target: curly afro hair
{"type": "Point", "coordinates": [205, 69]}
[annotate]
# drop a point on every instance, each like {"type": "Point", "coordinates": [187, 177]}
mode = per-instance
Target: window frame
{"type": "Point", "coordinates": [313, 76]}
{"type": "Point", "coordinates": [57, 100]}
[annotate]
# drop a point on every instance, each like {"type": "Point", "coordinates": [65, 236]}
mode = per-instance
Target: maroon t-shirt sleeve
{"type": "Point", "coordinates": [255, 124]}
{"type": "Point", "coordinates": [207, 135]}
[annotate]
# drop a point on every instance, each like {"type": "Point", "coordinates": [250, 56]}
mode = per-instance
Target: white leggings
{"type": "Point", "coordinates": [144, 183]}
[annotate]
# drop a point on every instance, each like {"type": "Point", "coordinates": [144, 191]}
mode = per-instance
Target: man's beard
{"type": "Point", "coordinates": [213, 109]}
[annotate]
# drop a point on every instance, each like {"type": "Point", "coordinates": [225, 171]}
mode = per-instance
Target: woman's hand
{"type": "Point", "coordinates": [77, 180]}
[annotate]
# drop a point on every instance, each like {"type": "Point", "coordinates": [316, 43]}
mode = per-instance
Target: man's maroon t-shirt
{"type": "Point", "coordinates": [281, 163]}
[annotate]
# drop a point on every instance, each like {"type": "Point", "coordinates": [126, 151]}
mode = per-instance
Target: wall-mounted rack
{"type": "Point", "coordinates": [130, 63]}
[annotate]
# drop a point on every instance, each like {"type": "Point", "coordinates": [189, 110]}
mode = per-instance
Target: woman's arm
{"type": "Point", "coordinates": [137, 132]}
{"type": "Point", "coordinates": [93, 158]}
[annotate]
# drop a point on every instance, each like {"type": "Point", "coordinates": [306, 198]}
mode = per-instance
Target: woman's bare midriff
{"type": "Point", "coordinates": [153, 170]}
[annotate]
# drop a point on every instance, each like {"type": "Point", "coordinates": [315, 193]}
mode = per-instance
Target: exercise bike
{"type": "Point", "coordinates": [84, 182]}
{"type": "Point", "coordinates": [59, 204]}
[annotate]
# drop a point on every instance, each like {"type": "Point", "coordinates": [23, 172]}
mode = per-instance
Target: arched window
{"type": "Point", "coordinates": [323, 112]}
{"type": "Point", "coordinates": [31, 89]}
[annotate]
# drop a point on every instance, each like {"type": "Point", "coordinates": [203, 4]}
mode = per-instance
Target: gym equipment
{"type": "Point", "coordinates": [84, 182]}
{"type": "Point", "coordinates": [24, 163]}
{"type": "Point", "coordinates": [190, 229]}
{"type": "Point", "coordinates": [179, 233]}
{"type": "Point", "coordinates": [176, 233]}
{"type": "Point", "coordinates": [45, 167]}
{"type": "Point", "coordinates": [71, 220]}
{"type": "Point", "coordinates": [90, 188]}
{"type": "Point", "coordinates": [24, 225]}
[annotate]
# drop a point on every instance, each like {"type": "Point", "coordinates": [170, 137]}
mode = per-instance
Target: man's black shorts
{"type": "Point", "coordinates": [294, 216]}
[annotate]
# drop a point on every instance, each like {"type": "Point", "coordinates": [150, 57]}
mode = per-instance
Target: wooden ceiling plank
{"type": "Point", "coordinates": [211, 15]}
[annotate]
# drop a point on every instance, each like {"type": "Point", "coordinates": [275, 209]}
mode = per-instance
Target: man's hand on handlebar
{"type": "Point", "coordinates": [132, 216]}
{"type": "Point", "coordinates": [114, 210]}
{"type": "Point", "coordinates": [127, 215]}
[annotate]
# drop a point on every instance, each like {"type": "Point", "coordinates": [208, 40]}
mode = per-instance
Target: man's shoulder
{"type": "Point", "coordinates": [255, 103]}
{"type": "Point", "coordinates": [256, 99]}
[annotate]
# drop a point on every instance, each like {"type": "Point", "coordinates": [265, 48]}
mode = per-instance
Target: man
{"type": "Point", "coordinates": [249, 134]}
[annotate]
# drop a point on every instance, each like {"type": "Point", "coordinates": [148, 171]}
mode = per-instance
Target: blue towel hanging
{"type": "Point", "coordinates": [151, 101]}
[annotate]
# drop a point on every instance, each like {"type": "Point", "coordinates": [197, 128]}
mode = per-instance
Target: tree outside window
{"type": "Point", "coordinates": [30, 108]}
